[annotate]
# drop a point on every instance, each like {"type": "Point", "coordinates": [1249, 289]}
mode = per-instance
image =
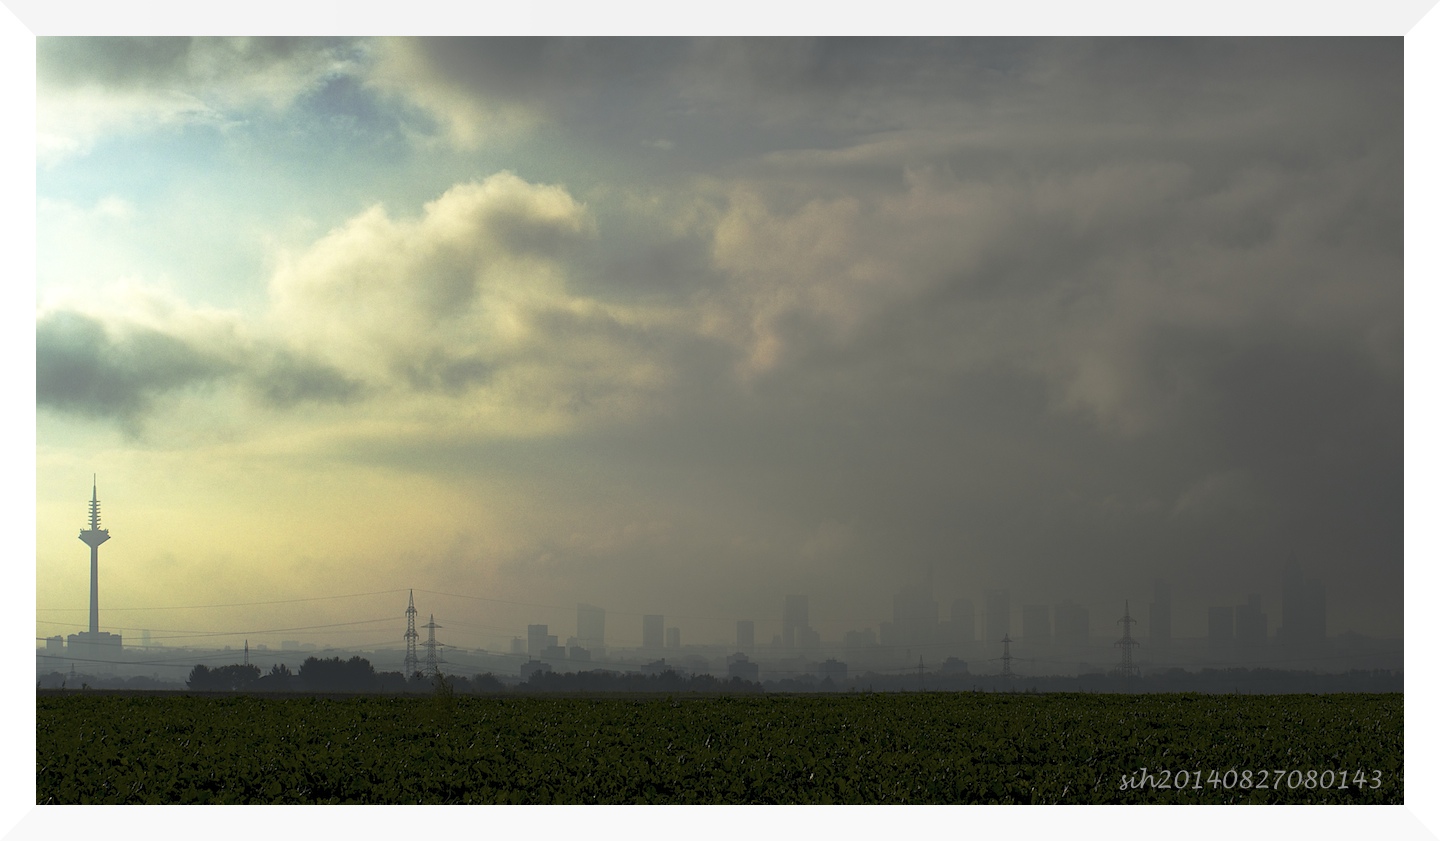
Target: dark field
{"type": "Point", "coordinates": [942, 748]}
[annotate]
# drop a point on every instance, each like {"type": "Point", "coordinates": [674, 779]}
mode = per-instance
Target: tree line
{"type": "Point", "coordinates": [331, 674]}
{"type": "Point", "coordinates": [356, 674]}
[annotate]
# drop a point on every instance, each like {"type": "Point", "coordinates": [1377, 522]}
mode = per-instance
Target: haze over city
{"type": "Point", "coordinates": [683, 327]}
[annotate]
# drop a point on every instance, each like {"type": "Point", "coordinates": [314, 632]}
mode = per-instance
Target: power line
{"type": "Point", "coordinates": [190, 634]}
{"type": "Point", "coordinates": [235, 604]}
{"type": "Point", "coordinates": [572, 607]}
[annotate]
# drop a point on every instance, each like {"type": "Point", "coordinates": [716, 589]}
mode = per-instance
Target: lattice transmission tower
{"type": "Point", "coordinates": [432, 656]}
{"type": "Point", "coordinates": [1126, 644]}
{"type": "Point", "coordinates": [1005, 658]}
{"type": "Point", "coordinates": [412, 660]}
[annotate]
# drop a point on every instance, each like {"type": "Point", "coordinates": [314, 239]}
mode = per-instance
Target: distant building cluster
{"type": "Point", "coordinates": [972, 637]}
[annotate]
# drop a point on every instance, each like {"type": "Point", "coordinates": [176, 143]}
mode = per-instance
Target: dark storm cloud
{"type": "Point", "coordinates": [1055, 315]}
{"type": "Point", "coordinates": [521, 69]}
{"type": "Point", "coordinates": [83, 369]}
{"type": "Point", "coordinates": [117, 62]}
{"type": "Point", "coordinates": [118, 373]}
{"type": "Point", "coordinates": [291, 380]}
{"type": "Point", "coordinates": [440, 371]}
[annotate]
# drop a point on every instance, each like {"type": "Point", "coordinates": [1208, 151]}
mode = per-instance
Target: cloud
{"type": "Point", "coordinates": [466, 306]}
{"type": "Point", "coordinates": [476, 257]}
{"type": "Point", "coordinates": [121, 368]}
{"type": "Point", "coordinates": [83, 369]}
{"type": "Point", "coordinates": [426, 76]}
{"type": "Point", "coordinates": [472, 300]}
{"type": "Point", "coordinates": [1055, 316]}
{"type": "Point", "coordinates": [91, 88]}
{"type": "Point", "coordinates": [289, 380]}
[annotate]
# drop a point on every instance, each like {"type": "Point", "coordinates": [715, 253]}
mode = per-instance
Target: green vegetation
{"type": "Point", "coordinates": [856, 748]}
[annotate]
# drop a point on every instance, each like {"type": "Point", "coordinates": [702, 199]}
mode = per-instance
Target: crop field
{"type": "Point", "coordinates": [945, 748]}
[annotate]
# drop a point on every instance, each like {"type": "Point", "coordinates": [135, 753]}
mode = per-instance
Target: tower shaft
{"type": "Point", "coordinates": [94, 589]}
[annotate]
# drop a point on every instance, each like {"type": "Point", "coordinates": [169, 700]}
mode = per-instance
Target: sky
{"type": "Point", "coordinates": [683, 326]}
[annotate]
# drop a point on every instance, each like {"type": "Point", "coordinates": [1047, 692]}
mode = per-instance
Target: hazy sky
{"type": "Point", "coordinates": [682, 326]}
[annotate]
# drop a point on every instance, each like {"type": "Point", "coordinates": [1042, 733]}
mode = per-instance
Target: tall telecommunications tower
{"type": "Point", "coordinates": [412, 662]}
{"type": "Point", "coordinates": [432, 658]}
{"type": "Point", "coordinates": [1127, 661]}
{"type": "Point", "coordinates": [93, 537]}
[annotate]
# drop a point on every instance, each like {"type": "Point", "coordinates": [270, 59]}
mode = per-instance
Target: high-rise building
{"type": "Point", "coordinates": [672, 637]}
{"type": "Point", "coordinates": [1035, 624]}
{"type": "Point", "coordinates": [1251, 626]}
{"type": "Point", "coordinates": [590, 627]}
{"type": "Point", "coordinates": [1160, 616]}
{"type": "Point", "coordinates": [1072, 627]}
{"type": "Point", "coordinates": [1302, 609]}
{"type": "Point", "coordinates": [745, 636]}
{"type": "Point", "coordinates": [652, 631]}
{"type": "Point", "coordinates": [962, 620]}
{"type": "Point", "coordinates": [916, 616]}
{"type": "Point", "coordinates": [796, 617]}
{"type": "Point", "coordinates": [1221, 636]}
{"type": "Point", "coordinates": [997, 615]}
{"type": "Point", "coordinates": [538, 639]}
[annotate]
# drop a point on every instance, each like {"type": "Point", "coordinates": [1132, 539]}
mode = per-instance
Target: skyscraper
{"type": "Point", "coordinates": [590, 627]}
{"type": "Point", "coordinates": [1302, 609]}
{"type": "Point", "coordinates": [962, 620]}
{"type": "Point", "coordinates": [652, 631]}
{"type": "Point", "coordinates": [997, 615]}
{"type": "Point", "coordinates": [1251, 626]}
{"type": "Point", "coordinates": [796, 618]}
{"type": "Point", "coordinates": [538, 640]}
{"type": "Point", "coordinates": [745, 636]}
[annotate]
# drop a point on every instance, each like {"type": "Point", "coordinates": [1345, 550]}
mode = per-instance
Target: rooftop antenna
{"type": "Point", "coordinates": [93, 537]}
{"type": "Point", "coordinates": [412, 661]}
{"type": "Point", "coordinates": [1125, 643]}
